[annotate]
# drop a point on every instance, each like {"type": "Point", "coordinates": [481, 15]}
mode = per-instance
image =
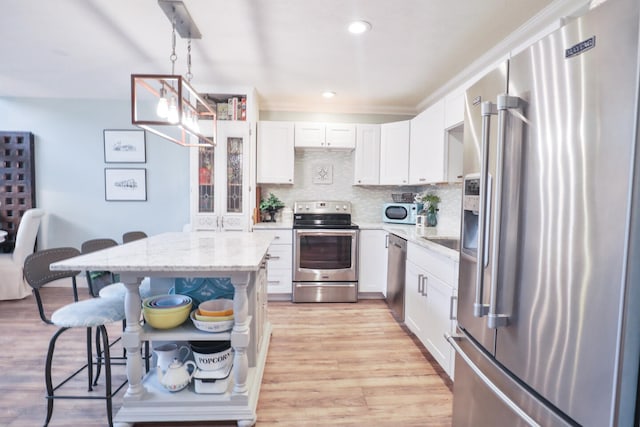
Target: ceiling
{"type": "Point", "coordinates": [289, 50]}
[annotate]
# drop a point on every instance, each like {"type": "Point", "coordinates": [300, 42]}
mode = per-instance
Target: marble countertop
{"type": "Point", "coordinates": [186, 252]}
{"type": "Point", "coordinates": [408, 232]}
{"type": "Point", "coordinates": [273, 225]}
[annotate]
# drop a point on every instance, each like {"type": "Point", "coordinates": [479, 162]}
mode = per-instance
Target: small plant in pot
{"type": "Point", "coordinates": [432, 201]}
{"type": "Point", "coordinates": [271, 205]}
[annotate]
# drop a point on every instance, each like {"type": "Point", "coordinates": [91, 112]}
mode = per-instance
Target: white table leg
{"type": "Point", "coordinates": [131, 336]}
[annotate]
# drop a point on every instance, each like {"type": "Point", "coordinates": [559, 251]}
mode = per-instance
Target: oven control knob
{"type": "Point", "coordinates": [344, 207]}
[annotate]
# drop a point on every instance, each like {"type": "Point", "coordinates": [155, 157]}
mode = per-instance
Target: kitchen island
{"type": "Point", "coordinates": [239, 256]}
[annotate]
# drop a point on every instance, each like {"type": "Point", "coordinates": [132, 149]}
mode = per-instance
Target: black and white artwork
{"type": "Point", "coordinates": [124, 146]}
{"type": "Point", "coordinates": [125, 184]}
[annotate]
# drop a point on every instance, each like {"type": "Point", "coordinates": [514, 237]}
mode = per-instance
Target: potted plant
{"type": "Point", "coordinates": [271, 205]}
{"type": "Point", "coordinates": [432, 201]}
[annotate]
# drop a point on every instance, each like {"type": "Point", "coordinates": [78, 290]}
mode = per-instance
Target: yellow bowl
{"type": "Point", "coordinates": [161, 320]}
{"type": "Point", "coordinates": [216, 307]}
{"type": "Point", "coordinates": [204, 318]}
{"type": "Point", "coordinates": [146, 304]}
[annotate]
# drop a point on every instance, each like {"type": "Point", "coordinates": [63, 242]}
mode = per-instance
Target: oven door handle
{"type": "Point", "coordinates": [324, 233]}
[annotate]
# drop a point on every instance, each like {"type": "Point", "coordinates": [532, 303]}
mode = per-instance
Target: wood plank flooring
{"type": "Point", "coordinates": [328, 365]}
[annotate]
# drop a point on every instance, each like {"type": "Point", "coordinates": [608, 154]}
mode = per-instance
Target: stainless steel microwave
{"type": "Point", "coordinates": [401, 213]}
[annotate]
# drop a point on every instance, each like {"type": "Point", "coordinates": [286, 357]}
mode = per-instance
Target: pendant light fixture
{"type": "Point", "coordinates": [166, 104]}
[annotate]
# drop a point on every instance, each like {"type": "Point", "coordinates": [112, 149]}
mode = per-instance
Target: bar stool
{"type": "Point", "coordinates": [89, 314]}
{"type": "Point", "coordinates": [130, 236]}
{"type": "Point", "coordinates": [101, 284]}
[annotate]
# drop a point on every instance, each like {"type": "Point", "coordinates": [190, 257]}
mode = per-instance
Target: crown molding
{"type": "Point", "coordinates": [548, 20]}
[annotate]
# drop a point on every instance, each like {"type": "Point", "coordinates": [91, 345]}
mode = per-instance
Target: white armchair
{"type": "Point", "coordinates": [12, 283]}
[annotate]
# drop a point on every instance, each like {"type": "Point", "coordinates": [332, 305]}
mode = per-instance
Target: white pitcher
{"type": "Point", "coordinates": [165, 354]}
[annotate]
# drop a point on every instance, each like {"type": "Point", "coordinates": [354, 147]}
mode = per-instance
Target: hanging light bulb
{"type": "Point", "coordinates": [173, 116]}
{"type": "Point", "coordinates": [162, 110]}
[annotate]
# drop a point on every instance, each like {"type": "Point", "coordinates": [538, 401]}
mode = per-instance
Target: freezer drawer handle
{"type": "Point", "coordinates": [515, 408]}
{"type": "Point", "coordinates": [505, 103]}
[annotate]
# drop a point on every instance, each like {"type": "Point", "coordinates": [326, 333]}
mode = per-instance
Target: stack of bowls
{"type": "Point", "coordinates": [166, 311]}
{"type": "Point", "coordinates": [213, 315]}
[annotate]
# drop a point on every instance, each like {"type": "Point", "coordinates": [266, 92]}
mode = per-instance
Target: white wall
{"type": "Point", "coordinates": [69, 160]}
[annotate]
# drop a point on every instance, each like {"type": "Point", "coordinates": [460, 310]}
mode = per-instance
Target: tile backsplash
{"type": "Point", "coordinates": [328, 175]}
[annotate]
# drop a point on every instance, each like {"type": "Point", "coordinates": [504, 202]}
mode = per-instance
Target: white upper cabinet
{"type": "Point", "coordinates": [275, 152]}
{"type": "Point", "coordinates": [455, 140]}
{"type": "Point", "coordinates": [325, 135]}
{"type": "Point", "coordinates": [309, 135]}
{"type": "Point", "coordinates": [427, 148]}
{"type": "Point", "coordinates": [394, 153]}
{"type": "Point", "coordinates": [340, 135]}
{"type": "Point", "coordinates": [367, 155]}
{"type": "Point", "coordinates": [454, 108]}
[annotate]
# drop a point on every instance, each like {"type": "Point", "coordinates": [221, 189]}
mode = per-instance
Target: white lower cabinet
{"type": "Point", "coordinates": [279, 261]}
{"type": "Point", "coordinates": [372, 269]}
{"type": "Point", "coordinates": [430, 301]}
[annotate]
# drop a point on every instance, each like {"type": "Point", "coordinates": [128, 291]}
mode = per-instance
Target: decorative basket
{"type": "Point", "coordinates": [403, 197]}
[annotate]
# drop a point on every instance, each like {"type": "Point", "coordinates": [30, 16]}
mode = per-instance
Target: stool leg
{"type": "Point", "coordinates": [107, 372]}
{"type": "Point", "coordinates": [98, 356]}
{"type": "Point", "coordinates": [89, 359]}
{"type": "Point", "coordinates": [47, 375]}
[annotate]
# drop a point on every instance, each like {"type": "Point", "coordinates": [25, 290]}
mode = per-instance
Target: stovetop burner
{"type": "Point", "coordinates": [323, 215]}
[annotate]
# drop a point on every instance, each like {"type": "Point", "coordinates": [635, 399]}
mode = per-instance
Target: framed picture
{"type": "Point", "coordinates": [124, 146]}
{"type": "Point", "coordinates": [125, 184]}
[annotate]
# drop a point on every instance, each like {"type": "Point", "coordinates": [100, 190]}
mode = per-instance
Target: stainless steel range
{"type": "Point", "coordinates": [325, 252]}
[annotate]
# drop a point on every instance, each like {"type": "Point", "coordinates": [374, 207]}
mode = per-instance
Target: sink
{"type": "Point", "coordinates": [446, 242]}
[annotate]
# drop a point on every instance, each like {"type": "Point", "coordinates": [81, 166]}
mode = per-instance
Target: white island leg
{"type": "Point", "coordinates": [240, 333]}
{"type": "Point", "coordinates": [131, 336]}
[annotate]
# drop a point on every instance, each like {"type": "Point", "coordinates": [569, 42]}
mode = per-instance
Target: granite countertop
{"type": "Point", "coordinates": [187, 252]}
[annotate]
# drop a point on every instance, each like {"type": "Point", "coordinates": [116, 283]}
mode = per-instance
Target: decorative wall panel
{"type": "Point", "coordinates": [17, 181]}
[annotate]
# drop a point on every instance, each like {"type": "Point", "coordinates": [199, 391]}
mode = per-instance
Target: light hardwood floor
{"type": "Point", "coordinates": [328, 365]}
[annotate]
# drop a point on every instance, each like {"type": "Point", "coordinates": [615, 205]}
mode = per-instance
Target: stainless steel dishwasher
{"type": "Point", "coordinates": [397, 257]}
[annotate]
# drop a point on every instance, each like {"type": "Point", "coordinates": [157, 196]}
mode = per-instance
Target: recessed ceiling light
{"type": "Point", "coordinates": [359, 27]}
{"type": "Point", "coordinates": [328, 94]}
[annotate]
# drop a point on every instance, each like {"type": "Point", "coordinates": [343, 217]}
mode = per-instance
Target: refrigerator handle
{"type": "Point", "coordinates": [479, 309]}
{"type": "Point", "coordinates": [487, 381]}
{"type": "Point", "coordinates": [505, 102]}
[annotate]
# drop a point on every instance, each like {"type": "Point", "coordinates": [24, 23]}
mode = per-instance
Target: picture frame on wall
{"type": "Point", "coordinates": [125, 146]}
{"type": "Point", "coordinates": [125, 184]}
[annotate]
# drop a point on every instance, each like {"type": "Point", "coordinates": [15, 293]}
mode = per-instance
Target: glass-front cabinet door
{"type": "Point", "coordinates": [220, 180]}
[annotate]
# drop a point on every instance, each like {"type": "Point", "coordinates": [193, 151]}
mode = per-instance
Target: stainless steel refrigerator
{"type": "Point", "coordinates": [549, 284]}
